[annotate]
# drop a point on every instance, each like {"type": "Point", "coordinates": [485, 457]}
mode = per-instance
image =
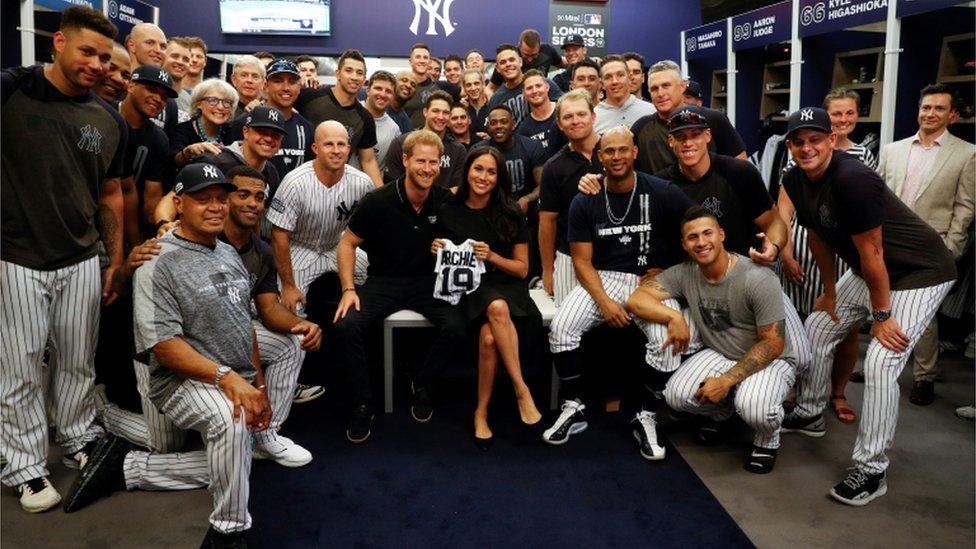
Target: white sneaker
{"type": "Point", "coordinates": [283, 450]}
{"type": "Point", "coordinates": [306, 393]}
{"type": "Point", "coordinates": [37, 495]}
{"type": "Point", "coordinates": [78, 459]}
{"type": "Point", "coordinates": [644, 427]}
{"type": "Point", "coordinates": [570, 422]}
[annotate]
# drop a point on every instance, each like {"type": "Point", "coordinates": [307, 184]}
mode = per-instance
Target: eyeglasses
{"type": "Point", "coordinates": [214, 101]}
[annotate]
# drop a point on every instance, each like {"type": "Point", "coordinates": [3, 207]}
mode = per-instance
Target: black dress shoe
{"type": "Point", "coordinates": [102, 474]}
{"type": "Point", "coordinates": [484, 444]}
{"type": "Point", "coordinates": [923, 393]}
{"type": "Point", "coordinates": [219, 540]}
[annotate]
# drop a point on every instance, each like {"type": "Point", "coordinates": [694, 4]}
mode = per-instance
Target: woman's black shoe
{"type": "Point", "coordinates": [483, 444]}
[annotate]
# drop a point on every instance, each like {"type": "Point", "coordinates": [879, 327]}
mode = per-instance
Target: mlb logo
{"type": "Point", "coordinates": [592, 19]}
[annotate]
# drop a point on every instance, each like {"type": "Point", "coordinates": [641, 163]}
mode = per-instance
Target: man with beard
{"type": "Point", "coordinates": [379, 95]}
{"type": "Point", "coordinates": [406, 88]}
{"type": "Point", "coordinates": [340, 103]}
{"type": "Point", "coordinates": [395, 226]}
{"type": "Point", "coordinates": [533, 54]}
{"type": "Point", "coordinates": [437, 113]}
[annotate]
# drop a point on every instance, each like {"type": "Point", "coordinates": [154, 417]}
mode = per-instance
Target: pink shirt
{"type": "Point", "coordinates": [920, 160]}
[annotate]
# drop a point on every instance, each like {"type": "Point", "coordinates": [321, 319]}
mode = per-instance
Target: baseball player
{"type": "Point", "coordinates": [734, 192]}
{"type": "Point", "coordinates": [203, 379]}
{"type": "Point", "coordinates": [735, 305]}
{"type": "Point", "coordinates": [54, 213]}
{"type": "Point", "coordinates": [310, 212]}
{"type": "Point", "coordinates": [560, 179]}
{"type": "Point", "coordinates": [900, 272]}
{"type": "Point", "coordinates": [282, 352]}
{"type": "Point", "coordinates": [615, 238]}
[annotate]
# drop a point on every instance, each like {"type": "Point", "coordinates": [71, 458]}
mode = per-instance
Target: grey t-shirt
{"type": "Point", "coordinates": [199, 294]}
{"type": "Point", "coordinates": [609, 116]}
{"type": "Point", "coordinates": [729, 313]}
{"type": "Point", "coordinates": [386, 131]}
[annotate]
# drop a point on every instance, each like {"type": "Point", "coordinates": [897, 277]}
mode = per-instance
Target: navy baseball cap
{"type": "Point", "coordinates": [694, 88]}
{"type": "Point", "coordinates": [151, 74]}
{"type": "Point", "coordinates": [282, 66]}
{"type": "Point", "coordinates": [266, 117]}
{"type": "Point", "coordinates": [812, 118]}
{"type": "Point", "coordinates": [196, 177]}
{"type": "Point", "coordinates": [686, 117]}
{"type": "Point", "coordinates": [573, 40]}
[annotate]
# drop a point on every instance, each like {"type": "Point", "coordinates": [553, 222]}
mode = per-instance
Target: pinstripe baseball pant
{"type": "Point", "coordinates": [150, 428]}
{"type": "Point", "coordinates": [914, 310]}
{"type": "Point", "coordinates": [579, 314]}
{"type": "Point", "coordinates": [758, 399]}
{"type": "Point", "coordinates": [282, 357]}
{"type": "Point", "coordinates": [663, 361]}
{"type": "Point", "coordinates": [322, 262]}
{"type": "Point", "coordinates": [224, 466]}
{"type": "Point", "coordinates": [58, 309]}
{"type": "Point", "coordinates": [563, 278]}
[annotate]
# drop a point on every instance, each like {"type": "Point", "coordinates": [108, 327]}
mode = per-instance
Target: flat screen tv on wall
{"type": "Point", "coordinates": [289, 17]}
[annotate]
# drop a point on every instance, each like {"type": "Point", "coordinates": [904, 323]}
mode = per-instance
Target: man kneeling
{"type": "Point", "coordinates": [737, 308]}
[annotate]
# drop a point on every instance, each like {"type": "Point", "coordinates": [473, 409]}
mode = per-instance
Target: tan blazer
{"type": "Point", "coordinates": [945, 198]}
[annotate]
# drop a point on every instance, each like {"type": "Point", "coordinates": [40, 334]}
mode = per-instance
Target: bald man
{"type": "Point", "coordinates": [310, 211]}
{"type": "Point", "coordinates": [146, 45]}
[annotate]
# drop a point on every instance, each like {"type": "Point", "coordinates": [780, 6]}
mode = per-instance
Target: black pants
{"type": "Point", "coordinates": [378, 298]}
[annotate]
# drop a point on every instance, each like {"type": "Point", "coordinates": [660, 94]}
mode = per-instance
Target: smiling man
{"type": "Point", "coordinates": [614, 239]}
{"type": "Point", "coordinates": [395, 226]}
{"type": "Point", "coordinates": [248, 79]}
{"type": "Point", "coordinates": [54, 213]}
{"type": "Point", "coordinates": [113, 85]}
{"type": "Point", "coordinates": [282, 88]}
{"type": "Point", "coordinates": [620, 106]}
{"type": "Point", "coordinates": [437, 114]}
{"type": "Point", "coordinates": [508, 64]}
{"type": "Point", "coordinates": [739, 317]}
{"type": "Point", "coordinates": [900, 272]}
{"type": "Point", "coordinates": [380, 91]}
{"type": "Point", "coordinates": [540, 124]}
{"type": "Point", "coordinates": [177, 64]}
{"type": "Point", "coordinates": [423, 83]}
{"type": "Point", "coordinates": [524, 157]}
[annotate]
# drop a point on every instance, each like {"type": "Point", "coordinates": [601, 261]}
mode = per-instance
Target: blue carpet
{"type": "Point", "coordinates": [416, 485]}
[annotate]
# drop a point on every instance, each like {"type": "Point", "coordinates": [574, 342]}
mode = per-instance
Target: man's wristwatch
{"type": "Point", "coordinates": [221, 372]}
{"type": "Point", "coordinates": [881, 316]}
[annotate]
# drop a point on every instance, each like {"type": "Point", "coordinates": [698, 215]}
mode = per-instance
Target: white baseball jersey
{"type": "Point", "coordinates": [315, 214]}
{"type": "Point", "coordinates": [458, 271]}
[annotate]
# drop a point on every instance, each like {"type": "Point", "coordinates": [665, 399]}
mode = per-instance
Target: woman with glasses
{"type": "Point", "coordinates": [484, 211]}
{"type": "Point", "coordinates": [800, 277]}
{"type": "Point", "coordinates": [213, 102]}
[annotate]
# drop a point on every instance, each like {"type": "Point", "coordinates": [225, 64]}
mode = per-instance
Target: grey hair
{"type": "Point", "coordinates": [249, 61]}
{"type": "Point", "coordinates": [211, 85]}
{"type": "Point", "coordinates": [665, 65]}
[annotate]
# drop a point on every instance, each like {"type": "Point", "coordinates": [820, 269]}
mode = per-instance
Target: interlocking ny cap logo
{"type": "Point", "coordinates": [163, 76]}
{"type": "Point", "coordinates": [273, 115]}
{"type": "Point", "coordinates": [806, 115]}
{"type": "Point", "coordinates": [210, 171]}
{"type": "Point", "coordinates": [431, 7]}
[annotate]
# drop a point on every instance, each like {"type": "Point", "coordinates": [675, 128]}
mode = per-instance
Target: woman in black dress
{"type": "Point", "coordinates": [485, 212]}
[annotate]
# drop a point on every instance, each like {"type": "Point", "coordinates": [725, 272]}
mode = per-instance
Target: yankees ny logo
{"type": "Point", "coordinates": [344, 211]}
{"type": "Point", "coordinates": [91, 139]}
{"type": "Point", "coordinates": [431, 7]}
{"type": "Point", "coordinates": [210, 171]}
{"type": "Point", "coordinates": [273, 115]}
{"type": "Point", "coordinates": [163, 76]}
{"type": "Point", "coordinates": [806, 115]}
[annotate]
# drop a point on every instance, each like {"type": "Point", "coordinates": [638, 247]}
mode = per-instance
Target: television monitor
{"type": "Point", "coordinates": [289, 17]}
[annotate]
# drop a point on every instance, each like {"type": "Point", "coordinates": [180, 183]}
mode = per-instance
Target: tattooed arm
{"type": "Point", "coordinates": [772, 341]}
{"type": "Point", "coordinates": [109, 219]}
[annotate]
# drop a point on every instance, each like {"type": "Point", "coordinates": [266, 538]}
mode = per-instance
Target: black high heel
{"type": "Point", "coordinates": [483, 444]}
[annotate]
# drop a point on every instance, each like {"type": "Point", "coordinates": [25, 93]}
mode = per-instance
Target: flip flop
{"type": "Point", "coordinates": [843, 412]}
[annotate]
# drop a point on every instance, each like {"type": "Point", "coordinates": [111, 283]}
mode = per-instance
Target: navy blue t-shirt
{"type": "Point", "coordinates": [546, 132]}
{"type": "Point", "coordinates": [520, 159]}
{"type": "Point", "coordinates": [649, 235]}
{"type": "Point", "coordinates": [296, 147]}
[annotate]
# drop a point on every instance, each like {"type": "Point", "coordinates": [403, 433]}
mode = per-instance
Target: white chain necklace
{"type": "Point", "coordinates": [630, 202]}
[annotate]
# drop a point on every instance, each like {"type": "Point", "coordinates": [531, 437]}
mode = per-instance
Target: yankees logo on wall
{"type": "Point", "coordinates": [438, 11]}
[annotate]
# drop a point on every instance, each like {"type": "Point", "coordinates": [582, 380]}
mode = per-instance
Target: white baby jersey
{"type": "Point", "coordinates": [458, 271]}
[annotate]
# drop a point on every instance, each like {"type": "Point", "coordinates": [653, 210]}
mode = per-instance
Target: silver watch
{"type": "Point", "coordinates": [221, 372]}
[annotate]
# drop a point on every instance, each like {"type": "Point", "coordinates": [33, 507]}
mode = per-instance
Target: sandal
{"type": "Point", "coordinates": [843, 412]}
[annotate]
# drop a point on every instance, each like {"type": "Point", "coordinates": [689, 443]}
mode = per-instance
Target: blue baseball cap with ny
{"type": "Point", "coordinates": [196, 177]}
